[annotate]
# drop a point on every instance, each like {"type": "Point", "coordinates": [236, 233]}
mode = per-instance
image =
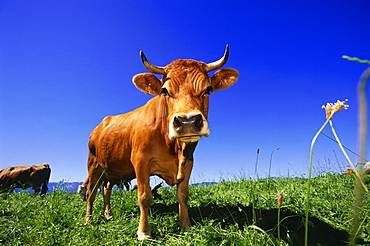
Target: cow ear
{"type": "Point", "coordinates": [147, 83]}
{"type": "Point", "coordinates": [224, 78]}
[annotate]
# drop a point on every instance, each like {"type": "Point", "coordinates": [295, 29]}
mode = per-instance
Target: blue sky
{"type": "Point", "coordinates": [65, 65]}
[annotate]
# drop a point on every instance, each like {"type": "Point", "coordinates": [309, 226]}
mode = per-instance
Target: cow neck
{"type": "Point", "coordinates": [184, 154]}
{"type": "Point", "coordinates": [184, 151]}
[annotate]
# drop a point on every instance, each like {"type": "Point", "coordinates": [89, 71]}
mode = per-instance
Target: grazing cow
{"type": "Point", "coordinates": [25, 177]}
{"type": "Point", "coordinates": [160, 137]}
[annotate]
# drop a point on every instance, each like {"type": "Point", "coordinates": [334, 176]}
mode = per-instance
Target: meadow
{"type": "Point", "coordinates": [240, 212]}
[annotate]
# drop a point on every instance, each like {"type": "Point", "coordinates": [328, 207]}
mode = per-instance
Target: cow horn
{"type": "Point", "coordinates": [217, 64]}
{"type": "Point", "coordinates": [150, 67]}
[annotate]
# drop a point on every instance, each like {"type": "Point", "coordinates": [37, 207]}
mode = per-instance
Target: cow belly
{"type": "Point", "coordinates": [122, 170]}
{"type": "Point", "coordinates": [165, 170]}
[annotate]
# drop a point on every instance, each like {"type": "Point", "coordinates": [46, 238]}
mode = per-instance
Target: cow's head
{"type": "Point", "coordinates": [185, 86]}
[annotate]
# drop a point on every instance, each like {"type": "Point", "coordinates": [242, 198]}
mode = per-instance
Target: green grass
{"type": "Point", "coordinates": [221, 214]}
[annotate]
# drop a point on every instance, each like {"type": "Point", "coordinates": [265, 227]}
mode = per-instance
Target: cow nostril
{"type": "Point", "coordinates": [198, 121]}
{"type": "Point", "coordinates": [185, 125]}
{"type": "Point", "coordinates": [177, 122]}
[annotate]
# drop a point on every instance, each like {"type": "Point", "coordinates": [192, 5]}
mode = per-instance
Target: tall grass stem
{"type": "Point", "coordinates": [280, 203]}
{"type": "Point", "coordinates": [362, 114]}
{"type": "Point", "coordinates": [254, 184]}
{"type": "Point", "coordinates": [362, 140]}
{"type": "Point", "coordinates": [256, 165]}
{"type": "Point", "coordinates": [278, 225]}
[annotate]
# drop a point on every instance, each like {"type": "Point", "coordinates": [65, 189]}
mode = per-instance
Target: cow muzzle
{"type": "Point", "coordinates": [188, 127]}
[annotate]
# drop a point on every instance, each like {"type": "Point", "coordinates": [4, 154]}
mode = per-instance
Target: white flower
{"type": "Point", "coordinates": [332, 108]}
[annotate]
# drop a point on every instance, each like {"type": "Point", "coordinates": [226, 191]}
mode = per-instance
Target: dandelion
{"type": "Point", "coordinates": [332, 108]}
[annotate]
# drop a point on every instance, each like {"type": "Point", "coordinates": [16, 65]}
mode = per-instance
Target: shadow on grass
{"type": "Point", "coordinates": [291, 226]}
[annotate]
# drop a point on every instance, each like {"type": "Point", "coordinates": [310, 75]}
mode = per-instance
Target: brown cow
{"type": "Point", "coordinates": [25, 177]}
{"type": "Point", "coordinates": [160, 137]}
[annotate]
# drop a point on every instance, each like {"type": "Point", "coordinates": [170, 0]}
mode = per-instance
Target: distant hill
{"type": "Point", "coordinates": [204, 184]}
{"type": "Point", "coordinates": [59, 186]}
{"type": "Point", "coordinates": [72, 187]}
{"type": "Point", "coordinates": [63, 186]}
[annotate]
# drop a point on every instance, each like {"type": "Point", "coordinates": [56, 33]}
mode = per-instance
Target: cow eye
{"type": "Point", "coordinates": [208, 91]}
{"type": "Point", "coordinates": [165, 92]}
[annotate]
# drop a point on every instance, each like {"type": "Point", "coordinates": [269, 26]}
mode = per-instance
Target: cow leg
{"type": "Point", "coordinates": [144, 198]}
{"type": "Point", "coordinates": [106, 194]}
{"type": "Point", "coordinates": [36, 189]}
{"type": "Point", "coordinates": [81, 191]}
{"type": "Point", "coordinates": [127, 185]}
{"type": "Point", "coordinates": [44, 189]}
{"type": "Point", "coordinates": [95, 181]}
{"type": "Point", "coordinates": [182, 195]}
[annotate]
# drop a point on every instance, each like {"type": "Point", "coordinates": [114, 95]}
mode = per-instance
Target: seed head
{"type": "Point", "coordinates": [332, 108]}
{"type": "Point", "coordinates": [280, 199]}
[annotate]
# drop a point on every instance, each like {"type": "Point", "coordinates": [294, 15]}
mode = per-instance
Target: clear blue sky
{"type": "Point", "coordinates": [65, 65]}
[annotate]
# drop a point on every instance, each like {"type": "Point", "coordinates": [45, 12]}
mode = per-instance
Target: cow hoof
{"type": "Point", "coordinates": [108, 216]}
{"type": "Point", "coordinates": [185, 228]}
{"type": "Point", "coordinates": [141, 236]}
{"type": "Point", "coordinates": [86, 220]}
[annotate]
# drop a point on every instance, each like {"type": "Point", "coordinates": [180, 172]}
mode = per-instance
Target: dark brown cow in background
{"type": "Point", "coordinates": [24, 177]}
{"type": "Point", "coordinates": [160, 137]}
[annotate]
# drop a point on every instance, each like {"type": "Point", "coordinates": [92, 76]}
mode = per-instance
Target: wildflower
{"type": "Point", "coordinates": [332, 108]}
{"type": "Point", "coordinates": [349, 171]}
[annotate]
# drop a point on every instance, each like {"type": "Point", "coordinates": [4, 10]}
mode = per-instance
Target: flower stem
{"type": "Point", "coordinates": [309, 180]}
{"type": "Point", "coordinates": [347, 157]}
{"type": "Point", "coordinates": [278, 225]}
